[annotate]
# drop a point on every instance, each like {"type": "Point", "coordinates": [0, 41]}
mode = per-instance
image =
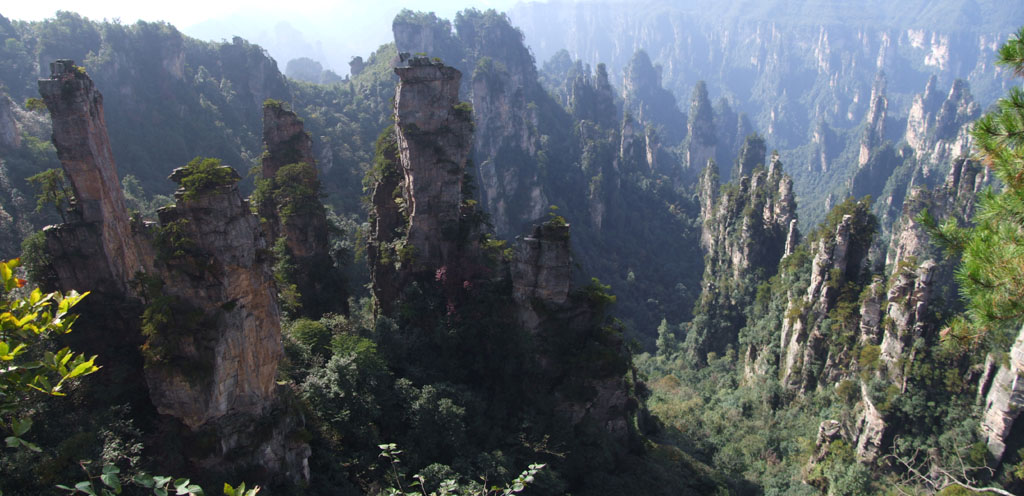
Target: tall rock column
{"type": "Point", "coordinates": [701, 139]}
{"type": "Point", "coordinates": [290, 203]}
{"type": "Point", "coordinates": [198, 285]}
{"type": "Point", "coordinates": [83, 147]}
{"type": "Point", "coordinates": [435, 138]}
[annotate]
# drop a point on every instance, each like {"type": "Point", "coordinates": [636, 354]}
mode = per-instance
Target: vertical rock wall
{"type": "Point", "coordinates": [435, 139]}
{"type": "Point", "coordinates": [216, 377]}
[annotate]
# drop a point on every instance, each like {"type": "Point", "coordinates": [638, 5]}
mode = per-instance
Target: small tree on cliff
{"type": "Point", "coordinates": [52, 189]}
{"type": "Point", "coordinates": [991, 274]}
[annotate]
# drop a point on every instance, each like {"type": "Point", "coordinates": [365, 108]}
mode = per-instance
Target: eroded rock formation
{"type": "Point", "coordinates": [206, 266]}
{"type": "Point", "coordinates": [746, 231]}
{"type": "Point", "coordinates": [435, 137]}
{"type": "Point", "coordinates": [294, 214]}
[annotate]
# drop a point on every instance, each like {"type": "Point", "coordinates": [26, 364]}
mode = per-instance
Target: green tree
{"type": "Point", "coordinates": [667, 342]}
{"type": "Point", "coordinates": [52, 189]}
{"type": "Point", "coordinates": [991, 273]}
{"type": "Point", "coordinates": [26, 323]}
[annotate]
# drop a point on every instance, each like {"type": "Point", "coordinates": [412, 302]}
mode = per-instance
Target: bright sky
{"type": "Point", "coordinates": [330, 31]}
{"type": "Point", "coordinates": [184, 13]}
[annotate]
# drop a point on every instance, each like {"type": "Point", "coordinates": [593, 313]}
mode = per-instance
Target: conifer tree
{"type": "Point", "coordinates": [991, 274]}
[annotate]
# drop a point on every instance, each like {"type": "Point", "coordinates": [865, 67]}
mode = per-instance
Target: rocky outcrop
{"type": "Point", "coordinates": [236, 293]}
{"type": "Point", "coordinates": [290, 205]}
{"type": "Point", "coordinates": [745, 233]}
{"type": "Point", "coordinates": [1004, 401]}
{"type": "Point", "coordinates": [199, 285]}
{"type": "Point", "coordinates": [506, 133]}
{"type": "Point", "coordinates": [938, 130]}
{"type": "Point", "coordinates": [751, 155]}
{"type": "Point", "coordinates": [874, 132]}
{"type": "Point", "coordinates": [651, 104]}
{"type": "Point", "coordinates": [10, 136]}
{"type": "Point", "coordinates": [731, 130]}
{"type": "Point", "coordinates": [840, 253]}
{"type": "Point", "coordinates": [434, 138]}
{"type": "Point", "coordinates": [83, 147]}
{"type": "Point", "coordinates": [500, 80]}
{"type": "Point", "coordinates": [541, 272]}
{"type": "Point", "coordinates": [700, 130]}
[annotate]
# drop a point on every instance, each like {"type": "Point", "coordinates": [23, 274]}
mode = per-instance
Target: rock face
{"type": "Point", "coordinates": [649, 102]}
{"type": "Point", "coordinates": [731, 131]}
{"type": "Point", "coordinates": [751, 155]}
{"type": "Point", "coordinates": [700, 130]}
{"type": "Point", "coordinates": [434, 138]}
{"type": "Point", "coordinates": [83, 147]}
{"type": "Point", "coordinates": [840, 253]}
{"type": "Point", "coordinates": [226, 254]}
{"type": "Point", "coordinates": [541, 271]}
{"type": "Point", "coordinates": [501, 83]}
{"type": "Point", "coordinates": [745, 233]}
{"type": "Point", "coordinates": [753, 48]}
{"type": "Point", "coordinates": [205, 265]}
{"type": "Point", "coordinates": [295, 215]}
{"type": "Point", "coordinates": [10, 137]}
{"type": "Point", "coordinates": [874, 133]}
{"type": "Point", "coordinates": [1004, 400]}
{"type": "Point", "coordinates": [938, 130]}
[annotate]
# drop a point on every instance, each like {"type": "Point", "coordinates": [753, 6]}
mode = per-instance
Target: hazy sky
{"type": "Point", "coordinates": [184, 13]}
{"type": "Point", "coordinates": [330, 31]}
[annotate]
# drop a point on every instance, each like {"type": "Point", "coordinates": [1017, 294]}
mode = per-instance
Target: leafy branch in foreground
{"type": "Point", "coordinates": [26, 367]}
{"type": "Point", "coordinates": [451, 487]}
{"type": "Point", "coordinates": [928, 473]}
{"type": "Point", "coordinates": [110, 484]}
{"type": "Point", "coordinates": [991, 272]}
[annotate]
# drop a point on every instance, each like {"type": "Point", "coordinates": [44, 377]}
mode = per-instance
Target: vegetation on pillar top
{"type": "Point", "coordinates": [202, 175]}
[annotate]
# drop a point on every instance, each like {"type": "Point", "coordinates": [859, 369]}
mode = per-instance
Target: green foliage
{"type": "Point", "coordinates": [52, 189]}
{"type": "Point", "coordinates": [110, 482]}
{"type": "Point", "coordinates": [990, 275]}
{"type": "Point", "coordinates": [35, 105]}
{"type": "Point", "coordinates": [27, 323]}
{"type": "Point", "coordinates": [172, 240]}
{"type": "Point", "coordinates": [202, 175]}
{"type": "Point", "coordinates": [667, 342]}
{"type": "Point", "coordinates": [36, 260]}
{"type": "Point", "coordinates": [296, 190]}
{"type": "Point", "coordinates": [450, 487]}
{"type": "Point", "coordinates": [599, 294]}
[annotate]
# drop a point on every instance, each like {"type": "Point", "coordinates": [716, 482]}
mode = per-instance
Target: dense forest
{"type": "Point", "coordinates": [765, 255]}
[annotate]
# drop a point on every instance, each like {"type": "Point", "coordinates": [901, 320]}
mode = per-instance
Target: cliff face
{"type": "Point", "coordinates": [839, 255]}
{"type": "Point", "coordinates": [778, 59]}
{"type": "Point", "coordinates": [542, 272]}
{"type": "Point", "coordinates": [700, 131]}
{"type": "Point", "coordinates": [10, 137]}
{"type": "Point", "coordinates": [422, 224]}
{"type": "Point", "coordinates": [651, 104]}
{"type": "Point", "coordinates": [503, 90]}
{"type": "Point", "coordinates": [434, 136]}
{"type": "Point", "coordinates": [1004, 401]}
{"type": "Point", "coordinates": [290, 203]}
{"type": "Point", "coordinates": [937, 129]}
{"type": "Point", "coordinates": [204, 267]}
{"type": "Point", "coordinates": [83, 147]}
{"type": "Point", "coordinates": [427, 236]}
{"type": "Point", "coordinates": [227, 253]}
{"type": "Point", "coordinates": [746, 231]}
